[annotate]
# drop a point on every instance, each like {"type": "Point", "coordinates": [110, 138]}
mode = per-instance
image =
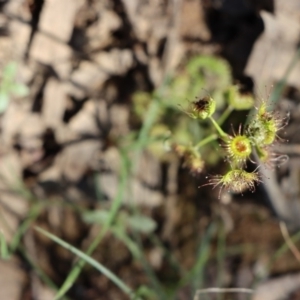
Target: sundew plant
{"type": "Point", "coordinates": [185, 124]}
{"type": "Point", "coordinates": [197, 131]}
{"type": "Point", "coordinates": [257, 136]}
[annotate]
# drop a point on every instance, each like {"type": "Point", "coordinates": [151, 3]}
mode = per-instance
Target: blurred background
{"type": "Point", "coordinates": [91, 94]}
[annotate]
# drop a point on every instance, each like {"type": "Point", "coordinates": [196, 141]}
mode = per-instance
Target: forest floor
{"type": "Point", "coordinates": [76, 156]}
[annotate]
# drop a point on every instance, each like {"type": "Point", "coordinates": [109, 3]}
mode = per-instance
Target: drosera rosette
{"type": "Point", "coordinates": [191, 158]}
{"type": "Point", "coordinates": [235, 180]}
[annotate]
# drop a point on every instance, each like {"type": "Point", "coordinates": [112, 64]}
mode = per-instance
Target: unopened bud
{"type": "Point", "coordinates": [203, 108]}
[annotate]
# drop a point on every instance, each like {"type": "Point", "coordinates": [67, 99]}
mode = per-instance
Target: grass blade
{"type": "Point", "coordinates": [116, 204]}
{"type": "Point", "coordinates": [116, 280]}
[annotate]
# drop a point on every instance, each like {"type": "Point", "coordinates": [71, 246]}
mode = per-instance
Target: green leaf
{"type": "Point", "coordinates": [106, 272]}
{"type": "Point", "coordinates": [98, 216]}
{"type": "Point", "coordinates": [142, 223]}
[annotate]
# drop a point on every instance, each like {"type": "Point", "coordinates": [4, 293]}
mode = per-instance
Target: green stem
{"type": "Point", "coordinates": [225, 115]}
{"type": "Point", "coordinates": [219, 129]}
{"type": "Point", "coordinates": [207, 140]}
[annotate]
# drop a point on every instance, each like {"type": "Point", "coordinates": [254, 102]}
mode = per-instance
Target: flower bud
{"type": "Point", "coordinates": [202, 108]}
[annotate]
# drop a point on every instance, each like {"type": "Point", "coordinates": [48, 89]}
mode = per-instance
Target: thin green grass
{"type": "Point", "coordinates": [86, 258]}
{"type": "Point", "coordinates": [117, 202]}
{"type": "Point", "coordinates": [7, 250]}
{"type": "Point", "coordinates": [116, 205]}
{"type": "Point", "coordinates": [34, 212]}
